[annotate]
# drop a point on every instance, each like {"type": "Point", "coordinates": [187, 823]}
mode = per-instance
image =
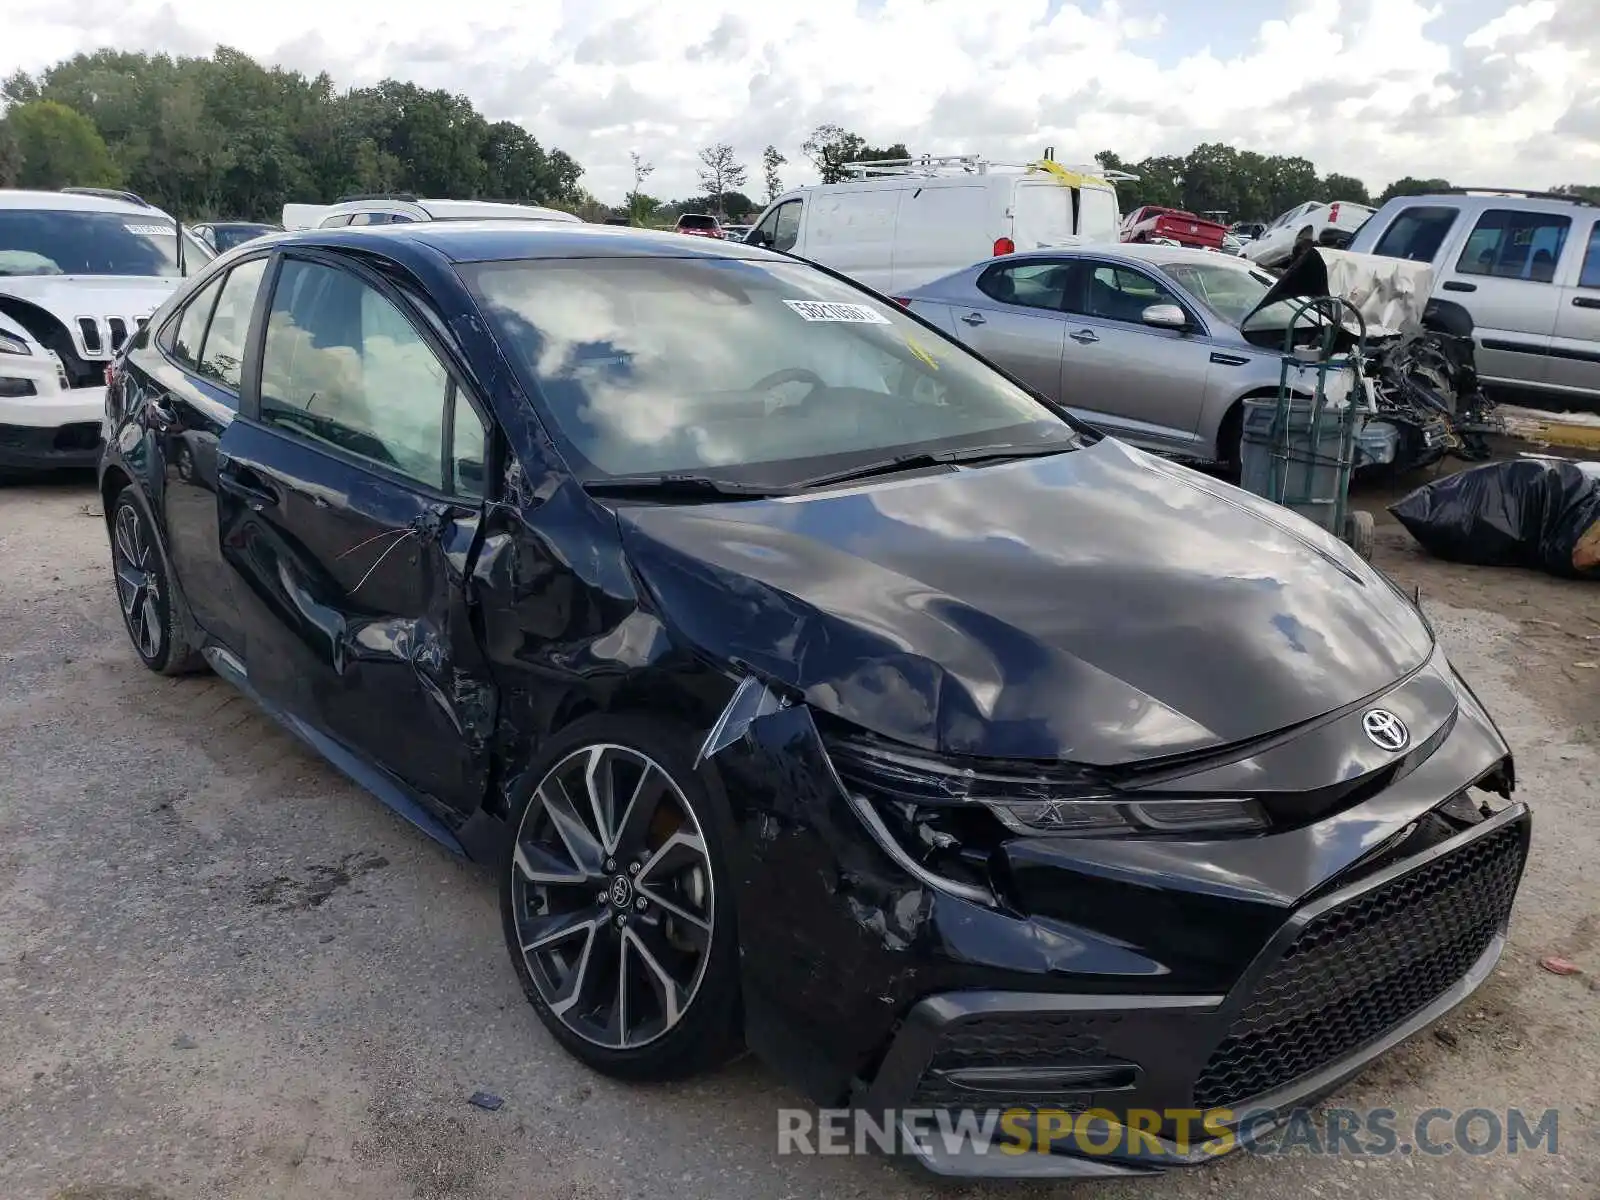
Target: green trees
{"type": "Point", "coordinates": [45, 144]}
{"type": "Point", "coordinates": [226, 137]}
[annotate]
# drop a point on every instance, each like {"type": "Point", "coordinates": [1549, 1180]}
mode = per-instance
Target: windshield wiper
{"type": "Point", "coordinates": [680, 487]}
{"type": "Point", "coordinates": [937, 458]}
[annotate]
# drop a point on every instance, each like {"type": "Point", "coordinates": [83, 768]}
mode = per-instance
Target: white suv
{"type": "Point", "coordinates": [1526, 268]}
{"type": "Point", "coordinates": [80, 271]}
{"type": "Point", "coordinates": [399, 209]}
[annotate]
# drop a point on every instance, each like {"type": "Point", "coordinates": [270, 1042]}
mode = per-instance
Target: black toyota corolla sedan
{"type": "Point", "coordinates": [813, 687]}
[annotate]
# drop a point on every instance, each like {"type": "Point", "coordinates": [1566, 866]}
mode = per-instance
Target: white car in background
{"type": "Point", "coordinates": [1304, 226]}
{"type": "Point", "coordinates": [395, 208]}
{"type": "Point", "coordinates": [81, 270]}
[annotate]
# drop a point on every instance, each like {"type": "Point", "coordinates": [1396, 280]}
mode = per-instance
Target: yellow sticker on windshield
{"type": "Point", "coordinates": [915, 348]}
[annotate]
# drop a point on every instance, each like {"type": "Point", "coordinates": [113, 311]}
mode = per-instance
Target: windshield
{"type": "Point", "coordinates": [1230, 292]}
{"type": "Point", "coordinates": [74, 242]}
{"type": "Point", "coordinates": [803, 375]}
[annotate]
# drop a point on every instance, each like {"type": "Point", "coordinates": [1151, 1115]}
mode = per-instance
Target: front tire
{"type": "Point", "coordinates": [617, 904]}
{"type": "Point", "coordinates": [145, 592]}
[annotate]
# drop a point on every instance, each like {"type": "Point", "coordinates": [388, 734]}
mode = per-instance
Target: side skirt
{"type": "Point", "coordinates": [403, 800]}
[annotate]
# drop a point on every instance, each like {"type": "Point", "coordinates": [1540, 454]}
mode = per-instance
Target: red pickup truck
{"type": "Point", "coordinates": [1153, 223]}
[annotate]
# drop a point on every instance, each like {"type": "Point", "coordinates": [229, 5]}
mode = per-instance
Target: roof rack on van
{"type": "Point", "coordinates": [403, 197]}
{"type": "Point", "coordinates": [108, 194]}
{"type": "Point", "coordinates": [1519, 193]}
{"type": "Point", "coordinates": [934, 165]}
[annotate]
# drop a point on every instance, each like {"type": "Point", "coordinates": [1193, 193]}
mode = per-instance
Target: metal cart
{"type": "Point", "coordinates": [1299, 449]}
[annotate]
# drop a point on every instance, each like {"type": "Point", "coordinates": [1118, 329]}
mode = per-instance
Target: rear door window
{"type": "Point", "coordinates": [1507, 244]}
{"type": "Point", "coordinates": [1031, 285]}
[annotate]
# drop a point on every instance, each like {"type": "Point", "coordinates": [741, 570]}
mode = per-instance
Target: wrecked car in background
{"type": "Point", "coordinates": [816, 687]}
{"type": "Point", "coordinates": [1420, 383]}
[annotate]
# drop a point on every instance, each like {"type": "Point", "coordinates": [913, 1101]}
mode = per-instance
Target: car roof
{"type": "Point", "coordinates": [1132, 252]}
{"type": "Point", "coordinates": [71, 202]}
{"type": "Point", "coordinates": [501, 240]}
{"type": "Point", "coordinates": [1489, 199]}
{"type": "Point", "coordinates": [459, 209]}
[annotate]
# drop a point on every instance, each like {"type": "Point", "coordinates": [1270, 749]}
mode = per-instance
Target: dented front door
{"type": "Point", "coordinates": [349, 509]}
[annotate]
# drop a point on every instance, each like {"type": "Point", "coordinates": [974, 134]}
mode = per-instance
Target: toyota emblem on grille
{"type": "Point", "coordinates": [1384, 729]}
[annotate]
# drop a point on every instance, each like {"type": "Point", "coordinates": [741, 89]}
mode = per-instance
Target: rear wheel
{"type": "Point", "coordinates": [144, 592]}
{"type": "Point", "coordinates": [617, 905]}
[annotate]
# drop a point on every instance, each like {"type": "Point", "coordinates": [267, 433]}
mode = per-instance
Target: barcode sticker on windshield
{"type": "Point", "coordinates": [824, 310]}
{"type": "Point", "coordinates": [151, 230]}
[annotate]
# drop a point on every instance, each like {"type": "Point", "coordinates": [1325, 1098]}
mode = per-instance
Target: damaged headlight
{"type": "Point", "coordinates": [1063, 801]}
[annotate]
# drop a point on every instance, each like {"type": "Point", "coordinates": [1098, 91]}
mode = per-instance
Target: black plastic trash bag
{"type": "Point", "coordinates": [1511, 514]}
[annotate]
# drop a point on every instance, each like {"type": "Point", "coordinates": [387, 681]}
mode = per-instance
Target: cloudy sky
{"type": "Point", "coordinates": [1483, 92]}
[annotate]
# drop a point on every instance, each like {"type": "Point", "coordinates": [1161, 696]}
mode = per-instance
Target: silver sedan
{"type": "Point", "coordinates": [1141, 341]}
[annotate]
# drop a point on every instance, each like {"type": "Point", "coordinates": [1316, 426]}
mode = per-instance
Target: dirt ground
{"type": "Point", "coordinates": [227, 973]}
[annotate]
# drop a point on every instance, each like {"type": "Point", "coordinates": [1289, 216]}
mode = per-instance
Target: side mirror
{"type": "Point", "coordinates": [758, 237]}
{"type": "Point", "coordinates": [1165, 316]}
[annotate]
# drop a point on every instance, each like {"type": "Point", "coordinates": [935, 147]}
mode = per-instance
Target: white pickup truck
{"type": "Point", "coordinates": [1304, 226]}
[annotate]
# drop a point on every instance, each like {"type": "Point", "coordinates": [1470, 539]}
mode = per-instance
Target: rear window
{"type": "Point", "coordinates": [1416, 233]}
{"type": "Point", "coordinates": [693, 222]}
{"type": "Point", "coordinates": [1041, 215]}
{"type": "Point", "coordinates": [73, 242]}
{"type": "Point", "coordinates": [1097, 214]}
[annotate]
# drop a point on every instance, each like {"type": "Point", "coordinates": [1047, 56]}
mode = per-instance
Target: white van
{"type": "Point", "coordinates": [904, 222]}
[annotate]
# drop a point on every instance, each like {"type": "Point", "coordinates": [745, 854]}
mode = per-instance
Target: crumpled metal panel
{"type": "Point", "coordinates": [1389, 293]}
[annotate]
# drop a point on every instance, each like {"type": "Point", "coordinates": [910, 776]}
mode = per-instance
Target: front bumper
{"type": "Point", "coordinates": [1136, 975]}
{"type": "Point", "coordinates": [46, 425]}
{"type": "Point", "coordinates": [1345, 980]}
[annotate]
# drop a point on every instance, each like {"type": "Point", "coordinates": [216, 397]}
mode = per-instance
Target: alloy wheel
{"type": "Point", "coordinates": [612, 896]}
{"type": "Point", "coordinates": [138, 582]}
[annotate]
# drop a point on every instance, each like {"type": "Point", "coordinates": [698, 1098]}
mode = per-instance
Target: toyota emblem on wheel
{"type": "Point", "coordinates": [1384, 729]}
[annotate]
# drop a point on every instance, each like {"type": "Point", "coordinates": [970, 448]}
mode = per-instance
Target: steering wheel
{"type": "Point", "coordinates": [788, 375]}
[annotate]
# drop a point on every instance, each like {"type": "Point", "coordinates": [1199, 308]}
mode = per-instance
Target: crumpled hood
{"type": "Point", "coordinates": [68, 297]}
{"type": "Point", "coordinates": [1097, 606]}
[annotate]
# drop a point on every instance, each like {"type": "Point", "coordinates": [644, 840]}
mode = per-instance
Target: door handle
{"type": "Point", "coordinates": [1455, 285]}
{"type": "Point", "coordinates": [258, 496]}
{"type": "Point", "coordinates": [1085, 336]}
{"type": "Point", "coordinates": [1585, 302]}
{"type": "Point", "coordinates": [974, 318]}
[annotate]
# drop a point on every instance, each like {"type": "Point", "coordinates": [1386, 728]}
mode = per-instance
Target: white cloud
{"type": "Point", "coordinates": [1364, 87]}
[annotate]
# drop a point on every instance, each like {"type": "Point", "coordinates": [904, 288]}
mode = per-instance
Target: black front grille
{"type": "Point", "coordinates": [1359, 970]}
{"type": "Point", "coordinates": [91, 334]}
{"type": "Point", "coordinates": [79, 435]}
{"type": "Point", "coordinates": [119, 331]}
{"type": "Point", "coordinates": [1014, 1040]}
